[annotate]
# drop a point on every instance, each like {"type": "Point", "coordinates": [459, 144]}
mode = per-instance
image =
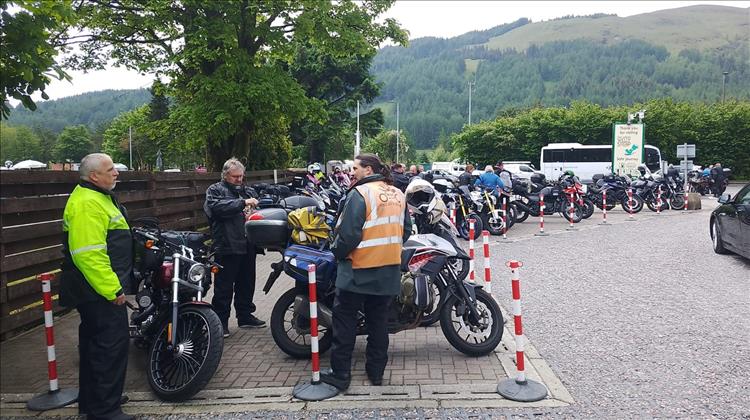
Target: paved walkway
{"type": "Point", "coordinates": [424, 370]}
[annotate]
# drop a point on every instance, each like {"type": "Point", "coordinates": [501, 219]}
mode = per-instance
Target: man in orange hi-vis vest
{"type": "Point", "coordinates": [370, 232]}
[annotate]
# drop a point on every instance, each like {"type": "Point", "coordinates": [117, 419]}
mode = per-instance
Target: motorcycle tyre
{"type": "Point", "coordinates": [600, 202]}
{"type": "Point", "coordinates": [434, 316]}
{"type": "Point", "coordinates": [494, 230]}
{"type": "Point", "coordinates": [577, 213]}
{"type": "Point", "coordinates": [463, 227]}
{"type": "Point", "coordinates": [637, 204]}
{"type": "Point", "coordinates": [652, 204]}
{"type": "Point", "coordinates": [473, 349]}
{"type": "Point", "coordinates": [677, 202]}
{"type": "Point", "coordinates": [588, 208]}
{"type": "Point", "coordinates": [278, 329]}
{"type": "Point", "coordinates": [210, 362]}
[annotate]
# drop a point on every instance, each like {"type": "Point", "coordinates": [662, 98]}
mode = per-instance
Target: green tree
{"type": "Point", "coordinates": [228, 62]}
{"type": "Point", "coordinates": [384, 145]}
{"type": "Point", "coordinates": [30, 38]}
{"type": "Point", "coordinates": [19, 143]}
{"type": "Point", "coordinates": [73, 144]}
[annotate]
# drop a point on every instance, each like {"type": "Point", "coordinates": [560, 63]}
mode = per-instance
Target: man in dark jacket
{"type": "Point", "coordinates": [717, 179]}
{"type": "Point", "coordinates": [369, 236]}
{"type": "Point", "coordinates": [467, 176]}
{"type": "Point", "coordinates": [97, 269]}
{"type": "Point", "coordinates": [225, 206]}
{"type": "Point", "coordinates": [400, 180]}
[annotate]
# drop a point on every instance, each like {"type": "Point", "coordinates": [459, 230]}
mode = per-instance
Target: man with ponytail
{"type": "Point", "coordinates": [369, 236]}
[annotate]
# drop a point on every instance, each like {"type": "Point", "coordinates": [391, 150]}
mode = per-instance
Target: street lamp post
{"type": "Point", "coordinates": [723, 86]}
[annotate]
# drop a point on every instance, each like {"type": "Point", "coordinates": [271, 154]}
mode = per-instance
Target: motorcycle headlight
{"type": "Point", "coordinates": [196, 273]}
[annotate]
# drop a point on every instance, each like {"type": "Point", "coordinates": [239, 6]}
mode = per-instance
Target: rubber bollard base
{"type": "Point", "coordinates": [541, 234]}
{"type": "Point", "coordinates": [604, 224]}
{"type": "Point", "coordinates": [308, 391]}
{"type": "Point", "coordinates": [527, 391]}
{"type": "Point", "coordinates": [630, 219]}
{"type": "Point", "coordinates": [571, 228]}
{"type": "Point", "coordinates": [53, 399]}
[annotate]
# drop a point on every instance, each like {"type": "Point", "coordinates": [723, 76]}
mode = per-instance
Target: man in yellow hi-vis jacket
{"type": "Point", "coordinates": [371, 229]}
{"type": "Point", "coordinates": [98, 267]}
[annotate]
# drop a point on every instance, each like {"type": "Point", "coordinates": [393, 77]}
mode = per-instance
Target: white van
{"type": "Point", "coordinates": [454, 168]}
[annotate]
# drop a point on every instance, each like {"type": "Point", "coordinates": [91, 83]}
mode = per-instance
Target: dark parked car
{"type": "Point", "coordinates": [730, 224]}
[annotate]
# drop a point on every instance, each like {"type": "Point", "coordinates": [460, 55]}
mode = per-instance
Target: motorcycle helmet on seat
{"type": "Point", "coordinates": [313, 168]}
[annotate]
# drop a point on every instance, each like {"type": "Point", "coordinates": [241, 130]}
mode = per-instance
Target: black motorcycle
{"type": "Point", "coordinates": [182, 334]}
{"type": "Point", "coordinates": [557, 199]}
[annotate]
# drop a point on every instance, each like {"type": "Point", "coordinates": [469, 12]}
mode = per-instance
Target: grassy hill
{"type": "Point", "coordinates": [604, 59]}
{"type": "Point", "coordinates": [697, 27]}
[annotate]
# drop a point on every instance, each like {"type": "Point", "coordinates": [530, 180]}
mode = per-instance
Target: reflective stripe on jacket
{"type": "Point", "coordinates": [97, 245]}
{"type": "Point", "coordinates": [382, 232]}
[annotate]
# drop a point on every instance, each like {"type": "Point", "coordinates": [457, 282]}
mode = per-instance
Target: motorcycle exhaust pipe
{"type": "Point", "coordinates": [302, 307]}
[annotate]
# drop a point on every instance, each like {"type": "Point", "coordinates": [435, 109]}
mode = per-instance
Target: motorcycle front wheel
{"type": "Point", "coordinates": [577, 214]}
{"type": "Point", "coordinates": [178, 374]}
{"type": "Point", "coordinates": [637, 203]}
{"type": "Point", "coordinates": [469, 335]}
{"type": "Point", "coordinates": [291, 331]}
{"type": "Point", "coordinates": [463, 227]}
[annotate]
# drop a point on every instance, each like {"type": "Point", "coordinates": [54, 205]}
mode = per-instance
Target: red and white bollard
{"type": "Point", "coordinates": [630, 204]}
{"type": "Point", "coordinates": [471, 250]}
{"type": "Point", "coordinates": [685, 207]}
{"type": "Point", "coordinates": [453, 213]}
{"type": "Point", "coordinates": [571, 213]}
{"type": "Point", "coordinates": [315, 390]}
{"type": "Point", "coordinates": [505, 217]}
{"type": "Point", "coordinates": [658, 201]}
{"type": "Point", "coordinates": [541, 217]}
{"type": "Point", "coordinates": [56, 397]}
{"type": "Point", "coordinates": [604, 208]}
{"type": "Point", "coordinates": [521, 388]}
{"type": "Point", "coordinates": [486, 246]}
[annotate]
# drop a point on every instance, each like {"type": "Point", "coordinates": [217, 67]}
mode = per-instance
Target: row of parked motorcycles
{"type": "Point", "coordinates": [566, 196]}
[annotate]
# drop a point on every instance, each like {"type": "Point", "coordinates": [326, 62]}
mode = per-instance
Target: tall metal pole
{"type": "Point", "coordinates": [356, 145]}
{"type": "Point", "coordinates": [398, 135]}
{"type": "Point", "coordinates": [130, 145]}
{"type": "Point", "coordinates": [723, 86]}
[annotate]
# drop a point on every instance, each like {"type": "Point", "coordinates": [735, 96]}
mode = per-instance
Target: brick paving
{"type": "Point", "coordinates": [251, 358]}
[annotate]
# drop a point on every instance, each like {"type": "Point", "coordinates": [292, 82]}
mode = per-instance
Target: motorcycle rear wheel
{"type": "Point", "coordinates": [521, 215]}
{"type": "Point", "coordinates": [677, 202]}
{"type": "Point", "coordinates": [291, 332]}
{"type": "Point", "coordinates": [588, 208]}
{"type": "Point", "coordinates": [178, 375]}
{"type": "Point", "coordinates": [472, 337]}
{"type": "Point", "coordinates": [463, 227]}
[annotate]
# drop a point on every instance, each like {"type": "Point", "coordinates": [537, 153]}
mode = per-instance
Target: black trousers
{"type": "Point", "coordinates": [238, 278]}
{"type": "Point", "coordinates": [103, 348]}
{"type": "Point", "coordinates": [345, 308]}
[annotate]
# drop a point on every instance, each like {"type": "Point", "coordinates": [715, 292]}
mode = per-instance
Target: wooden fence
{"type": "Point", "coordinates": [31, 208]}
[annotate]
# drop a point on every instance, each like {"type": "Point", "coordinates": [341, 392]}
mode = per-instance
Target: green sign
{"type": "Point", "coordinates": [627, 148]}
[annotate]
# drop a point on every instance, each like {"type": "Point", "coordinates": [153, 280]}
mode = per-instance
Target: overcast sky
{"type": "Point", "coordinates": [421, 18]}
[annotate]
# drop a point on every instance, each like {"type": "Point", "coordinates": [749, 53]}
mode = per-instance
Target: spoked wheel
{"type": "Point", "coordinates": [291, 331]}
{"type": "Point", "coordinates": [463, 227]}
{"type": "Point", "coordinates": [434, 316]}
{"type": "Point", "coordinates": [472, 336]}
{"type": "Point", "coordinates": [176, 374]}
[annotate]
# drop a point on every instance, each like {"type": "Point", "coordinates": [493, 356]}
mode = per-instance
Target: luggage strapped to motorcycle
{"type": "Point", "coordinates": [309, 226]}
